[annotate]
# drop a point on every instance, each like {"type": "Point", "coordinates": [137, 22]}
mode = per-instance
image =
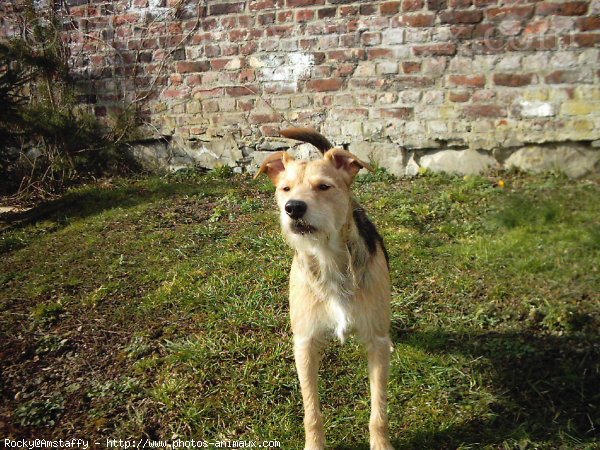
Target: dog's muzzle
{"type": "Point", "coordinates": [295, 209]}
{"type": "Point", "coordinates": [302, 227]}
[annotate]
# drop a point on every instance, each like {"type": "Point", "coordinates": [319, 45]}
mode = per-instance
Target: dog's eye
{"type": "Point", "coordinates": [285, 188]}
{"type": "Point", "coordinates": [324, 187]}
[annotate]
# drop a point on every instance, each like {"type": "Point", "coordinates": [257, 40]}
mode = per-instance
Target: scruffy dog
{"type": "Point", "coordinates": [339, 280]}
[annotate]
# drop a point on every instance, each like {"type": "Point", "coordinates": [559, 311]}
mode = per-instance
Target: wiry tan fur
{"type": "Point", "coordinates": [337, 286]}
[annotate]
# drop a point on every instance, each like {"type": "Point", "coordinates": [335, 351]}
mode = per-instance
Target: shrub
{"type": "Point", "coordinates": [47, 138]}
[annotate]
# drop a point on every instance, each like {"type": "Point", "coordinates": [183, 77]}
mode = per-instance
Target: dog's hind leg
{"type": "Point", "coordinates": [379, 349]}
{"type": "Point", "coordinates": [307, 352]}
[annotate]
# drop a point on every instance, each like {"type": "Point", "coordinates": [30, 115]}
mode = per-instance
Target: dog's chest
{"type": "Point", "coordinates": [334, 288]}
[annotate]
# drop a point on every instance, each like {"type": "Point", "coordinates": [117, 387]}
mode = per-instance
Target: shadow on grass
{"type": "Point", "coordinates": [93, 200]}
{"type": "Point", "coordinates": [548, 387]}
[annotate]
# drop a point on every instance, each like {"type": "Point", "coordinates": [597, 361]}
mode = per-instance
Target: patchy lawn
{"type": "Point", "coordinates": [157, 308]}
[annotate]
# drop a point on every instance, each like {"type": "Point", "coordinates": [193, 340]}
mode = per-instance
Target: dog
{"type": "Point", "coordinates": [339, 279]}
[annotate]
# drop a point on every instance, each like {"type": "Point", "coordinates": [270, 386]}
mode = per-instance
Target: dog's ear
{"type": "Point", "coordinates": [342, 159]}
{"type": "Point", "coordinates": [274, 165]}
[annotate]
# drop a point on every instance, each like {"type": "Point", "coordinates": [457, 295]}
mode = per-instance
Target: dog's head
{"type": "Point", "coordinates": [313, 196]}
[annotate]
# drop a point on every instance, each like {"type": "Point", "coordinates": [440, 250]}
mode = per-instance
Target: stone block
{"type": "Point", "coordinates": [386, 155]}
{"type": "Point", "coordinates": [574, 160]}
{"type": "Point", "coordinates": [462, 162]}
{"type": "Point", "coordinates": [579, 108]}
{"type": "Point", "coordinates": [536, 109]}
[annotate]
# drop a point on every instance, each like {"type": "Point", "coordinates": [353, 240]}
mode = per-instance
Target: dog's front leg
{"type": "Point", "coordinates": [379, 349]}
{"type": "Point", "coordinates": [307, 352]}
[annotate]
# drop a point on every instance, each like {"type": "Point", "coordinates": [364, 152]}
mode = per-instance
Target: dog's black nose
{"type": "Point", "coordinates": [295, 209]}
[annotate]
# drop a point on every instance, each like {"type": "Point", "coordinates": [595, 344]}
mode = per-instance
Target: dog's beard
{"type": "Point", "coordinates": [313, 229]}
{"type": "Point", "coordinates": [301, 227]}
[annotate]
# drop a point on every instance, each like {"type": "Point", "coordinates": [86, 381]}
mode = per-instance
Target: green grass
{"type": "Point", "coordinates": [156, 307]}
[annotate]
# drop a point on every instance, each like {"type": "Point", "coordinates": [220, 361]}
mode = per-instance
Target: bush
{"type": "Point", "coordinates": [48, 139]}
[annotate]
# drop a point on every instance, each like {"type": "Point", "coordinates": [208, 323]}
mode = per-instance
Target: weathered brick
{"type": "Point", "coordinates": [395, 113]}
{"type": "Point", "coordinates": [588, 23]}
{"type": "Point", "coordinates": [467, 80]}
{"type": "Point", "coordinates": [459, 96]}
{"type": "Point", "coordinates": [305, 15]}
{"type": "Point", "coordinates": [437, 5]}
{"type": "Point", "coordinates": [285, 16]}
{"type": "Point", "coordinates": [460, 3]}
{"type": "Point", "coordinates": [348, 10]}
{"type": "Point", "coordinates": [192, 66]}
{"type": "Point", "coordinates": [194, 79]}
{"type": "Point", "coordinates": [478, 111]}
{"type": "Point", "coordinates": [392, 36]}
{"type": "Point", "coordinates": [579, 108]}
{"type": "Point", "coordinates": [226, 64]}
{"type": "Point", "coordinates": [326, 13]}
{"type": "Point", "coordinates": [564, 76]}
{"type": "Point", "coordinates": [210, 106]}
{"type": "Point", "coordinates": [370, 39]}
{"type": "Point", "coordinates": [461, 32]}
{"type": "Point", "coordinates": [345, 55]}
{"type": "Point", "coordinates": [483, 96]}
{"type": "Point", "coordinates": [344, 100]}
{"type": "Point", "coordinates": [125, 19]}
{"type": "Point", "coordinates": [279, 87]}
{"type": "Point", "coordinates": [412, 5]}
{"type": "Point", "coordinates": [367, 9]}
{"type": "Point", "coordinates": [434, 66]}
{"type": "Point", "coordinates": [228, 22]}
{"type": "Point", "coordinates": [350, 114]}
{"type": "Point", "coordinates": [261, 5]}
{"type": "Point", "coordinates": [294, 3]}
{"type": "Point", "coordinates": [377, 53]}
{"type": "Point", "coordinates": [175, 93]}
{"type": "Point", "coordinates": [227, 119]}
{"type": "Point", "coordinates": [226, 8]}
{"type": "Point", "coordinates": [537, 27]}
{"type": "Point", "coordinates": [563, 8]}
{"type": "Point", "coordinates": [366, 83]}
{"type": "Point", "coordinates": [532, 43]}
{"type": "Point", "coordinates": [510, 12]}
{"type": "Point", "coordinates": [390, 8]}
{"type": "Point", "coordinates": [176, 78]}
{"type": "Point", "coordinates": [585, 39]}
{"type": "Point", "coordinates": [411, 66]}
{"type": "Point", "coordinates": [445, 49]}
{"type": "Point", "coordinates": [331, 84]}
{"type": "Point", "coordinates": [248, 48]}
{"type": "Point", "coordinates": [461, 16]}
{"type": "Point", "coordinates": [512, 79]}
{"type": "Point", "coordinates": [257, 117]}
{"type": "Point", "coordinates": [270, 130]}
{"type": "Point", "coordinates": [387, 68]}
{"type": "Point", "coordinates": [411, 81]}
{"type": "Point", "coordinates": [239, 91]}
{"type": "Point", "coordinates": [414, 20]}
{"type": "Point", "coordinates": [266, 19]}
{"type": "Point", "coordinates": [246, 75]}
{"type": "Point", "coordinates": [280, 30]}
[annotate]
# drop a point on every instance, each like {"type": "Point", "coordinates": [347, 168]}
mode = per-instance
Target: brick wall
{"type": "Point", "coordinates": [407, 82]}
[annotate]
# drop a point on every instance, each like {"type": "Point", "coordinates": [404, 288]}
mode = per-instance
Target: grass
{"type": "Point", "coordinates": [156, 307]}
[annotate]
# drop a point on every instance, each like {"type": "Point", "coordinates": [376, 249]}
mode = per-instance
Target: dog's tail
{"type": "Point", "coordinates": [308, 135]}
